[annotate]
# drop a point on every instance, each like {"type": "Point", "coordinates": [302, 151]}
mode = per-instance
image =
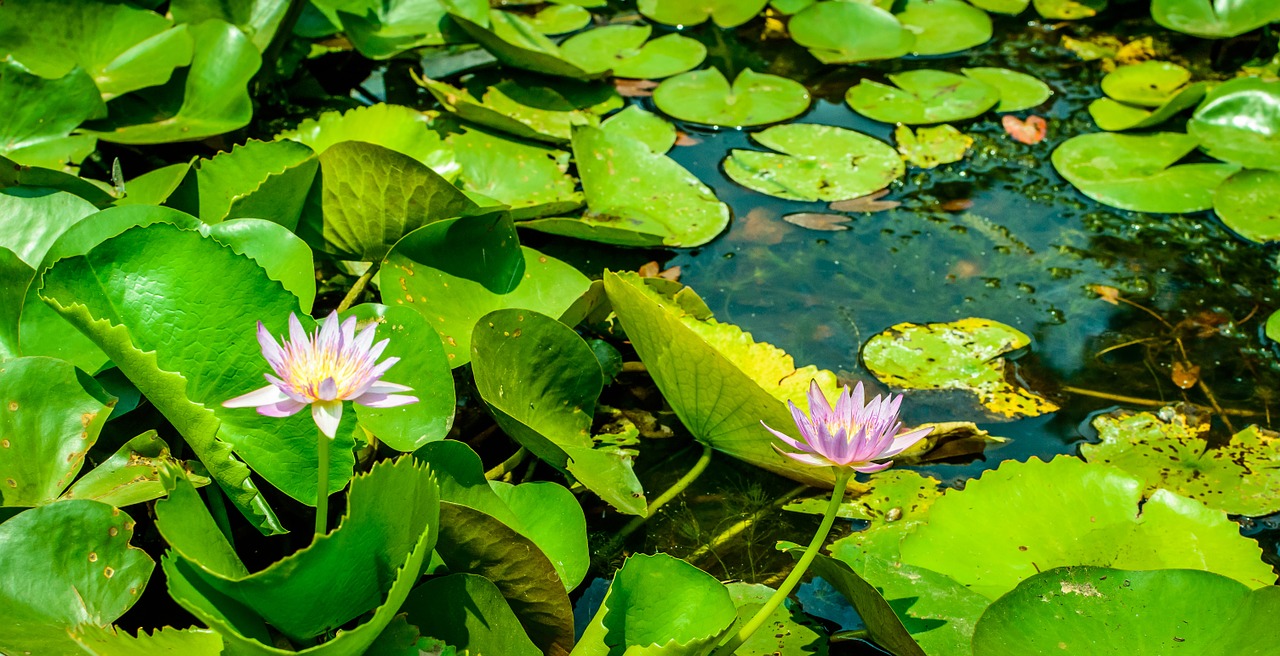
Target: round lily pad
{"type": "Point", "coordinates": [815, 162]}
{"type": "Point", "coordinates": [1069, 9]}
{"type": "Point", "coordinates": [962, 354]}
{"type": "Point", "coordinates": [623, 49]}
{"type": "Point", "coordinates": [684, 13]}
{"type": "Point", "coordinates": [1249, 203]}
{"type": "Point", "coordinates": [922, 97]}
{"type": "Point", "coordinates": [847, 32]}
{"type": "Point", "coordinates": [560, 19]}
{"type": "Point", "coordinates": [656, 132]}
{"type": "Point", "coordinates": [1149, 84]}
{"type": "Point", "coordinates": [1239, 121]}
{"type": "Point", "coordinates": [402, 129]}
{"type": "Point", "coordinates": [1111, 115]}
{"type": "Point", "coordinates": [1002, 6]}
{"type": "Point", "coordinates": [1137, 172]}
{"type": "Point", "coordinates": [945, 26]}
{"type": "Point", "coordinates": [929, 147]}
{"type": "Point", "coordinates": [1214, 19]}
{"type": "Point", "coordinates": [754, 99]}
{"type": "Point", "coordinates": [1018, 91]}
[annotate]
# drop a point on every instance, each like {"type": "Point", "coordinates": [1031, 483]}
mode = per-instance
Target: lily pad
{"type": "Point", "coordinates": [66, 564]}
{"type": "Point", "coordinates": [559, 19]}
{"type": "Point", "coordinates": [656, 132]}
{"type": "Point", "coordinates": [212, 98]}
{"type": "Point", "coordinates": [50, 415]}
{"type": "Point", "coordinates": [1023, 518]}
{"type": "Point", "coordinates": [529, 179]}
{"type": "Point", "coordinates": [638, 197]}
{"type": "Point", "coordinates": [627, 52]}
{"type": "Point", "coordinates": [1011, 7]}
{"type": "Point", "coordinates": [886, 625]}
{"type": "Point", "coordinates": [1214, 19]}
{"type": "Point", "coordinates": [929, 147]}
{"type": "Point", "coordinates": [1018, 91]}
{"type": "Point", "coordinates": [528, 111]}
{"type": "Point", "coordinates": [122, 47]}
{"type": "Point", "coordinates": [541, 382]}
{"type": "Point", "coordinates": [15, 276]}
{"type": "Point", "coordinates": [1112, 116]}
{"type": "Point", "coordinates": [944, 26]}
{"type": "Point", "coordinates": [402, 129]}
{"type": "Point", "coordinates": [516, 43]}
{"type": "Point", "coordinates": [43, 112]}
{"type": "Point", "coordinates": [258, 19]}
{"type": "Point", "coordinates": [1173, 611]}
{"type": "Point", "coordinates": [111, 641]}
{"type": "Point", "coordinates": [1241, 477]}
{"type": "Point", "coordinates": [453, 272]}
{"type": "Point", "coordinates": [31, 220]}
{"type": "Point", "coordinates": [787, 631]}
{"type": "Point", "coordinates": [686, 13]}
{"type": "Point", "coordinates": [132, 474]}
{"type": "Point", "coordinates": [468, 612]}
{"type": "Point", "coordinates": [1138, 172]}
{"type": "Point", "coordinates": [921, 97]}
{"type": "Point", "coordinates": [814, 163]}
{"type": "Point", "coordinates": [659, 604]}
{"type": "Point", "coordinates": [280, 253]}
{"type": "Point", "coordinates": [962, 354]}
{"type": "Point", "coordinates": [754, 99]}
{"type": "Point", "coordinates": [258, 179]}
{"type": "Point", "coordinates": [1239, 122]}
{"type": "Point", "coordinates": [1249, 203]}
{"type": "Point", "coordinates": [850, 32]}
{"type": "Point", "coordinates": [381, 30]}
{"type": "Point", "coordinates": [1069, 9]}
{"type": "Point", "coordinates": [893, 495]}
{"type": "Point", "coordinates": [155, 186]}
{"type": "Point", "coordinates": [1147, 84]}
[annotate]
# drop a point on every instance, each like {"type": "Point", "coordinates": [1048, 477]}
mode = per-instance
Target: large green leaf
{"type": "Point", "coordinates": [66, 564]}
{"type": "Point", "coordinates": [787, 631]}
{"type": "Point", "coordinates": [944, 26]}
{"type": "Point", "coordinates": [31, 220]}
{"type": "Point", "coordinates": [720, 382]}
{"type": "Point", "coordinates": [684, 13]}
{"type": "Point", "coordinates": [1239, 122]}
{"type": "Point", "coordinates": [529, 111]}
{"type": "Point", "coordinates": [1241, 477]}
{"type": "Point", "coordinates": [122, 47]}
{"type": "Point", "coordinates": [1144, 95]}
{"type": "Point", "coordinates": [36, 129]}
{"type": "Point", "coordinates": [754, 99]}
{"type": "Point", "coordinates": [1249, 203]}
{"type": "Point", "coordinates": [210, 99]}
{"type": "Point", "coordinates": [284, 256]}
{"type": "Point", "coordinates": [258, 180]}
{"type": "Point", "coordinates": [50, 414]}
{"type": "Point", "coordinates": [423, 366]}
{"type": "Point", "coordinates": [877, 612]}
{"type": "Point", "coordinates": [659, 605]}
{"type": "Point", "coordinates": [626, 51]}
{"type": "Point", "coordinates": [454, 272]}
{"type": "Point", "coordinates": [655, 201]}
{"type": "Point", "coordinates": [13, 174]}
{"type": "Point", "coordinates": [848, 32]}
{"type": "Point", "coordinates": [1138, 172]}
{"type": "Point", "coordinates": [815, 162]}
{"type": "Point", "coordinates": [1018, 91]}
{"type": "Point", "coordinates": [132, 474]}
{"type": "Point", "coordinates": [15, 276]}
{"type": "Point", "coordinates": [656, 132]}
{"type": "Point", "coordinates": [382, 29]}
{"type": "Point", "coordinates": [921, 97]}
{"type": "Point", "coordinates": [541, 382]}
{"type": "Point", "coordinates": [1111, 611]}
{"type": "Point", "coordinates": [110, 641]}
{"type": "Point", "coordinates": [468, 611]}
{"type": "Point", "coordinates": [1214, 19]}
{"type": "Point", "coordinates": [372, 196]}
{"type": "Point", "coordinates": [258, 19]}
{"type": "Point", "coordinates": [530, 179]}
{"type": "Point", "coordinates": [337, 577]}
{"type": "Point", "coordinates": [402, 129]}
{"type": "Point", "coordinates": [1023, 518]}
{"type": "Point", "coordinates": [516, 43]}
{"type": "Point", "coordinates": [189, 344]}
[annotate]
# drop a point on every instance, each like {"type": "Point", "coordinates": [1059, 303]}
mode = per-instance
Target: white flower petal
{"type": "Point", "coordinates": [264, 396]}
{"type": "Point", "coordinates": [327, 415]}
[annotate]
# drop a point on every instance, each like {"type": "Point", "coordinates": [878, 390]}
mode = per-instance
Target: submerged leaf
{"type": "Point", "coordinates": [818, 221]}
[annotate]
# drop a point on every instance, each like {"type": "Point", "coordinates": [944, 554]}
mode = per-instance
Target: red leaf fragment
{"type": "Point", "coordinates": [634, 88]}
{"type": "Point", "coordinates": [1030, 131]}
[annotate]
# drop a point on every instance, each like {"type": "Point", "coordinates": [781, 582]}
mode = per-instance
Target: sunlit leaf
{"type": "Point", "coordinates": [814, 163]}
{"type": "Point", "coordinates": [1239, 122]}
{"type": "Point", "coordinates": [627, 51]}
{"type": "Point", "coordinates": [402, 129]}
{"type": "Point", "coordinates": [848, 32]}
{"type": "Point", "coordinates": [754, 99]}
{"type": "Point", "coordinates": [1214, 19]}
{"type": "Point", "coordinates": [921, 97]}
{"type": "Point", "coordinates": [1249, 203]}
{"type": "Point", "coordinates": [42, 113]}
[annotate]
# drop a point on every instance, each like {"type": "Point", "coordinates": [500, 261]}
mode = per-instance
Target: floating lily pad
{"type": "Point", "coordinates": [962, 354]}
{"type": "Point", "coordinates": [468, 612]}
{"type": "Point", "coordinates": [1241, 477]}
{"type": "Point", "coordinates": [893, 495]}
{"type": "Point", "coordinates": [787, 632]}
{"type": "Point", "coordinates": [559, 19]}
{"type": "Point", "coordinates": [1138, 172]}
{"type": "Point", "coordinates": [1148, 84]}
{"type": "Point", "coordinates": [1239, 122]}
{"type": "Point", "coordinates": [1113, 611]}
{"type": "Point", "coordinates": [31, 220]}
{"type": "Point", "coordinates": [627, 51]}
{"type": "Point", "coordinates": [1012, 7]}
{"type": "Point", "coordinates": [402, 129]}
{"type": "Point", "coordinates": [1214, 19]}
{"type": "Point", "coordinates": [518, 44]}
{"type": "Point", "coordinates": [1018, 91]}
{"type": "Point", "coordinates": [155, 186]}
{"type": "Point", "coordinates": [814, 163]}
{"type": "Point", "coordinates": [754, 99]}
{"type": "Point", "coordinates": [531, 112]}
{"type": "Point", "coordinates": [929, 147]}
{"type": "Point", "coordinates": [1249, 203]}
{"type": "Point", "coordinates": [944, 26]}
{"type": "Point", "coordinates": [381, 30]}
{"type": "Point", "coordinates": [849, 32]}
{"type": "Point", "coordinates": [921, 97]}
{"type": "Point", "coordinates": [685, 13]}
{"type": "Point", "coordinates": [258, 19]}
{"type": "Point", "coordinates": [43, 112]}
{"type": "Point", "coordinates": [1069, 9]}
{"type": "Point", "coordinates": [656, 132]}
{"type": "Point", "coordinates": [122, 47]}
{"type": "Point", "coordinates": [1112, 116]}
{"type": "Point", "coordinates": [638, 197]}
{"type": "Point", "coordinates": [529, 179]}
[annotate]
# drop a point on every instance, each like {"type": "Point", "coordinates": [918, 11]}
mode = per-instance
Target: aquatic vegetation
{"type": "Point", "coordinates": [580, 266]}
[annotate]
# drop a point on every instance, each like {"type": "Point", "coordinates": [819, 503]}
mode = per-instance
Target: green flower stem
{"type": "Point", "coordinates": [671, 493]}
{"type": "Point", "coordinates": [358, 288]}
{"type": "Point", "coordinates": [758, 620]}
{"type": "Point", "coordinates": [507, 465]}
{"type": "Point", "coordinates": [322, 486]}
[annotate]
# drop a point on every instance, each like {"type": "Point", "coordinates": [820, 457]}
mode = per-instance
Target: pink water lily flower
{"type": "Point", "coordinates": [322, 371]}
{"type": "Point", "coordinates": [852, 435]}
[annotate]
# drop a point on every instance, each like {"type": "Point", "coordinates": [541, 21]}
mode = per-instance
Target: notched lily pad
{"type": "Point", "coordinates": [530, 179]}
{"type": "Point", "coordinates": [929, 147]}
{"type": "Point", "coordinates": [627, 51]}
{"type": "Point", "coordinates": [1239, 122]}
{"type": "Point", "coordinates": [1018, 91]}
{"type": "Point", "coordinates": [944, 26]}
{"type": "Point", "coordinates": [1144, 95]}
{"type": "Point", "coordinates": [962, 354]}
{"type": "Point", "coordinates": [849, 32]}
{"type": "Point", "coordinates": [893, 495]}
{"type": "Point", "coordinates": [685, 13]}
{"type": "Point", "coordinates": [754, 99]}
{"type": "Point", "coordinates": [528, 111]}
{"type": "Point", "coordinates": [1249, 203]}
{"type": "Point", "coordinates": [921, 97]}
{"type": "Point", "coordinates": [402, 129]}
{"type": "Point", "coordinates": [814, 163]}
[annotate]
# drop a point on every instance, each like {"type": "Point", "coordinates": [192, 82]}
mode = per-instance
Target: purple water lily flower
{"type": "Point", "coordinates": [322, 371]}
{"type": "Point", "coordinates": [851, 435]}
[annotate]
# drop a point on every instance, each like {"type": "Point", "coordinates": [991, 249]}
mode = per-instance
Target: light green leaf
{"type": "Point", "coordinates": [258, 180]}
{"type": "Point", "coordinates": [132, 474]}
{"type": "Point", "coordinates": [530, 179]}
{"type": "Point", "coordinates": [944, 26]}
{"type": "Point", "coordinates": [167, 641]}
{"type": "Point", "coordinates": [381, 30]}
{"type": "Point", "coordinates": [31, 220]}
{"type": "Point", "coordinates": [921, 97]}
{"type": "Point", "coordinates": [36, 129]}
{"type": "Point", "coordinates": [1214, 19]}
{"type": "Point", "coordinates": [560, 19]}
{"type": "Point", "coordinates": [656, 132]}
{"type": "Point", "coordinates": [754, 99]}
{"type": "Point", "coordinates": [1249, 203]}
{"type": "Point", "coordinates": [1239, 122]}
{"type": "Point", "coordinates": [849, 32]}
{"type": "Point", "coordinates": [528, 111]}
{"type": "Point", "coordinates": [626, 51]}
{"type": "Point", "coordinates": [814, 163]}
{"type": "Point", "coordinates": [929, 147]}
{"type": "Point", "coordinates": [284, 256]}
{"type": "Point", "coordinates": [686, 13]}
{"type": "Point", "coordinates": [1069, 9]}
{"type": "Point", "coordinates": [402, 129]}
{"type": "Point", "coordinates": [1018, 91]}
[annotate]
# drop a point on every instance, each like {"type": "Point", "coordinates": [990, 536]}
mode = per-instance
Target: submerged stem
{"type": "Point", "coordinates": [671, 493]}
{"type": "Point", "coordinates": [322, 486]}
{"type": "Point", "coordinates": [358, 288]}
{"type": "Point", "coordinates": [507, 465]}
{"type": "Point", "coordinates": [793, 579]}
